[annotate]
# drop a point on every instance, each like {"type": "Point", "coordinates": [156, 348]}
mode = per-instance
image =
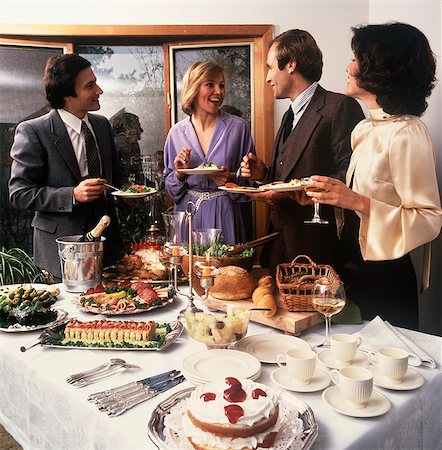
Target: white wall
{"type": "Point", "coordinates": [329, 21]}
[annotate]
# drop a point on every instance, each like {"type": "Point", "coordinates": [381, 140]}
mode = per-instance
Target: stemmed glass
{"type": "Point", "coordinates": [316, 217]}
{"type": "Point", "coordinates": [328, 299]}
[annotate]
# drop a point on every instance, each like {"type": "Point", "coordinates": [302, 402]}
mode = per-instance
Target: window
{"type": "Point", "coordinates": [22, 97]}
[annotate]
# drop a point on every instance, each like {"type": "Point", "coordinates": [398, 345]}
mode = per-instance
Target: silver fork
{"type": "Point", "coordinates": [102, 368]}
{"type": "Point", "coordinates": [100, 376]}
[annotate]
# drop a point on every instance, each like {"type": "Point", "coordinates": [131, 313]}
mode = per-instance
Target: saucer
{"type": "Point", "coordinates": [376, 406]}
{"type": "Point", "coordinates": [412, 380]}
{"type": "Point", "coordinates": [319, 381]}
{"type": "Point", "coordinates": [326, 358]}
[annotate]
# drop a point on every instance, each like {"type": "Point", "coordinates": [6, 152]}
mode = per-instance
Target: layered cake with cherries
{"type": "Point", "coordinates": [231, 414]}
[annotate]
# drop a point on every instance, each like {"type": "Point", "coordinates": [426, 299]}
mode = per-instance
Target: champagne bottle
{"type": "Point", "coordinates": [97, 231]}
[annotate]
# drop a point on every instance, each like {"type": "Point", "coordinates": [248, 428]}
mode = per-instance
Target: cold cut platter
{"type": "Point", "coordinates": [124, 297]}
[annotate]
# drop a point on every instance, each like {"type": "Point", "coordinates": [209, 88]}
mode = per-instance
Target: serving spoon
{"type": "Point", "coordinates": [238, 248]}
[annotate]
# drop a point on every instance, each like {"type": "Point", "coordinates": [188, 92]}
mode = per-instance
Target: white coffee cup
{"type": "Point", "coordinates": [355, 385]}
{"type": "Point", "coordinates": [343, 347]}
{"type": "Point", "coordinates": [392, 363]}
{"type": "Point", "coordinates": [300, 364]}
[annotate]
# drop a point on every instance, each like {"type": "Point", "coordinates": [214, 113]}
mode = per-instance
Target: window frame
{"type": "Point", "coordinates": [68, 35]}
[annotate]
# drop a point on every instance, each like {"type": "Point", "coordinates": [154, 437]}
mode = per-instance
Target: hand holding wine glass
{"type": "Point", "coordinates": [328, 299]}
{"type": "Point", "coordinates": [316, 217]}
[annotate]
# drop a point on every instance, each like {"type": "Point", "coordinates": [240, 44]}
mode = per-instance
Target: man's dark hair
{"type": "Point", "coordinates": [60, 75]}
{"type": "Point", "coordinates": [300, 47]}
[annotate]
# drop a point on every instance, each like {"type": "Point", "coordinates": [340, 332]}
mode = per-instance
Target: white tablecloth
{"type": "Point", "coordinates": [42, 411]}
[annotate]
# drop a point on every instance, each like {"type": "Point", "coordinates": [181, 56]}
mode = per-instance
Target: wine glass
{"type": "Point", "coordinates": [328, 299]}
{"type": "Point", "coordinates": [316, 217]}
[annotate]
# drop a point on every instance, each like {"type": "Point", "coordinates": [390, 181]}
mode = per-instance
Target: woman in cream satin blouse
{"type": "Point", "coordinates": [390, 201]}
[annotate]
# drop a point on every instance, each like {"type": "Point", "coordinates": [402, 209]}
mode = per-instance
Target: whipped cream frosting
{"type": "Point", "coordinates": [255, 409]}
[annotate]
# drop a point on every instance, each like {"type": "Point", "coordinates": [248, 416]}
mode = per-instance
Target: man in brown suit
{"type": "Point", "coordinates": [313, 139]}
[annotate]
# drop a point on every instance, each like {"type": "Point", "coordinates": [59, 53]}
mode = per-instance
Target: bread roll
{"type": "Point", "coordinates": [233, 283]}
{"type": "Point", "coordinates": [263, 296]}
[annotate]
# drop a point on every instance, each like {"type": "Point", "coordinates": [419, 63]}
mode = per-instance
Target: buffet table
{"type": "Point", "coordinates": [41, 411]}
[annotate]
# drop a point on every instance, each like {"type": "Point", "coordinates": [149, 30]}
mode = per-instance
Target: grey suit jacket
{"type": "Point", "coordinates": [44, 173]}
{"type": "Point", "coordinates": [318, 145]}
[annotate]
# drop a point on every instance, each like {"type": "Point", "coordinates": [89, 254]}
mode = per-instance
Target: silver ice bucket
{"type": "Point", "coordinates": [81, 262]}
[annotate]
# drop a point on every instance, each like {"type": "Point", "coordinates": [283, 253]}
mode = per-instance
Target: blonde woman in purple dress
{"type": "Point", "coordinates": [207, 135]}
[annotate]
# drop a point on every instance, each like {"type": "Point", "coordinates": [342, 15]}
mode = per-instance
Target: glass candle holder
{"type": "Point", "coordinates": [206, 271]}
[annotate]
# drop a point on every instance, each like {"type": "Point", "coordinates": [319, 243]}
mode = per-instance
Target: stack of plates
{"type": "Point", "coordinates": [217, 364]}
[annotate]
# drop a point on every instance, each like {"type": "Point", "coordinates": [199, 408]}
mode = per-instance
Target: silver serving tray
{"type": "Point", "coordinates": [177, 329]}
{"type": "Point", "coordinates": [156, 428]}
{"type": "Point", "coordinates": [16, 328]}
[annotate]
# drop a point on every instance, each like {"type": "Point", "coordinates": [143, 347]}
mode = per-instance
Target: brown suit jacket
{"type": "Point", "coordinates": [318, 145]}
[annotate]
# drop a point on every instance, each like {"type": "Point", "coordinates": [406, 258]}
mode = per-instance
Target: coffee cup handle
{"type": "Point", "coordinates": [358, 341]}
{"type": "Point", "coordinates": [279, 360]}
{"type": "Point", "coordinates": [414, 360]}
{"type": "Point", "coordinates": [372, 357]}
{"type": "Point", "coordinates": [334, 375]}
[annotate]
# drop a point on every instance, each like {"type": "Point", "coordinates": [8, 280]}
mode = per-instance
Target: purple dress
{"type": "Point", "coordinates": [231, 140]}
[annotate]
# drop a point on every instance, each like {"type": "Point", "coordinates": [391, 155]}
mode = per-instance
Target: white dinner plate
{"type": "Point", "coordinates": [211, 365]}
{"type": "Point", "coordinates": [376, 406]}
{"type": "Point", "coordinates": [327, 359]}
{"type": "Point", "coordinates": [200, 171]}
{"type": "Point", "coordinates": [198, 381]}
{"type": "Point", "coordinates": [412, 380]}
{"type": "Point", "coordinates": [266, 347]}
{"type": "Point", "coordinates": [319, 381]}
{"type": "Point", "coordinates": [281, 187]}
{"type": "Point", "coordinates": [240, 189]}
{"type": "Point", "coordinates": [133, 194]}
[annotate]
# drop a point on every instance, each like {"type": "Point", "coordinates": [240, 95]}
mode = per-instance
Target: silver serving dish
{"type": "Point", "coordinates": [156, 427]}
{"type": "Point", "coordinates": [77, 303]}
{"type": "Point", "coordinates": [17, 328]}
{"type": "Point", "coordinates": [170, 338]}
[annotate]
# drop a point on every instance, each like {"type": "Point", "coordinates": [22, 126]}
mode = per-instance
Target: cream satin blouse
{"type": "Point", "coordinates": [393, 163]}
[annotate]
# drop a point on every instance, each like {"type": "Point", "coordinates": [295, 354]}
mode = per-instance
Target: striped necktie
{"type": "Point", "coordinates": [93, 160]}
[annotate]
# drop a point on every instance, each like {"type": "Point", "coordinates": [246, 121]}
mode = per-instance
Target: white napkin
{"type": "Point", "coordinates": [379, 333]}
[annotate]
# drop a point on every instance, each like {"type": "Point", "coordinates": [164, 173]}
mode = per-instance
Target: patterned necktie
{"type": "Point", "coordinates": [93, 160]}
{"type": "Point", "coordinates": [288, 124]}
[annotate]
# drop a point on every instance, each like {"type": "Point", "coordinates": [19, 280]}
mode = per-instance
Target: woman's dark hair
{"type": "Point", "coordinates": [396, 64]}
{"type": "Point", "coordinates": [60, 75]}
{"type": "Point", "coordinates": [299, 46]}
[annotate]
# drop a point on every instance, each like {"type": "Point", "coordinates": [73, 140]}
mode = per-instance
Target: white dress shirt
{"type": "Point", "coordinates": [73, 127]}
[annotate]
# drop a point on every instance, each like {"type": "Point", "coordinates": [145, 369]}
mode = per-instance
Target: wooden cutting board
{"type": "Point", "coordinates": [290, 322]}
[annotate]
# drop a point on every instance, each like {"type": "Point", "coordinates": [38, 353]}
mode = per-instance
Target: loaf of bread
{"type": "Point", "coordinates": [233, 283]}
{"type": "Point", "coordinates": [263, 295]}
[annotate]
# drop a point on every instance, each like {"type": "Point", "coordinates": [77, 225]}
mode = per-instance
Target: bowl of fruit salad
{"type": "Point", "coordinates": [218, 330]}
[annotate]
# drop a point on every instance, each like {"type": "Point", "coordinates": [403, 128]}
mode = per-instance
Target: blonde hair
{"type": "Point", "coordinates": [195, 76]}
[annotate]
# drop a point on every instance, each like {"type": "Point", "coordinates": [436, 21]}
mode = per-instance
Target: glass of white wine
{"type": "Point", "coordinates": [328, 299]}
{"type": "Point", "coordinates": [316, 217]}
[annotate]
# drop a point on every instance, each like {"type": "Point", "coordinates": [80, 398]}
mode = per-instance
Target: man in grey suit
{"type": "Point", "coordinates": [313, 139]}
{"type": "Point", "coordinates": [52, 173]}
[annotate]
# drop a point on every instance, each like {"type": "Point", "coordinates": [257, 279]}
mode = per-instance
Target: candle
{"type": "Point", "coordinates": [175, 250]}
{"type": "Point", "coordinates": [206, 271]}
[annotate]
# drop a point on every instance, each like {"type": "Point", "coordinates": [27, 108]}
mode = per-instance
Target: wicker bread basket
{"type": "Point", "coordinates": [295, 282]}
